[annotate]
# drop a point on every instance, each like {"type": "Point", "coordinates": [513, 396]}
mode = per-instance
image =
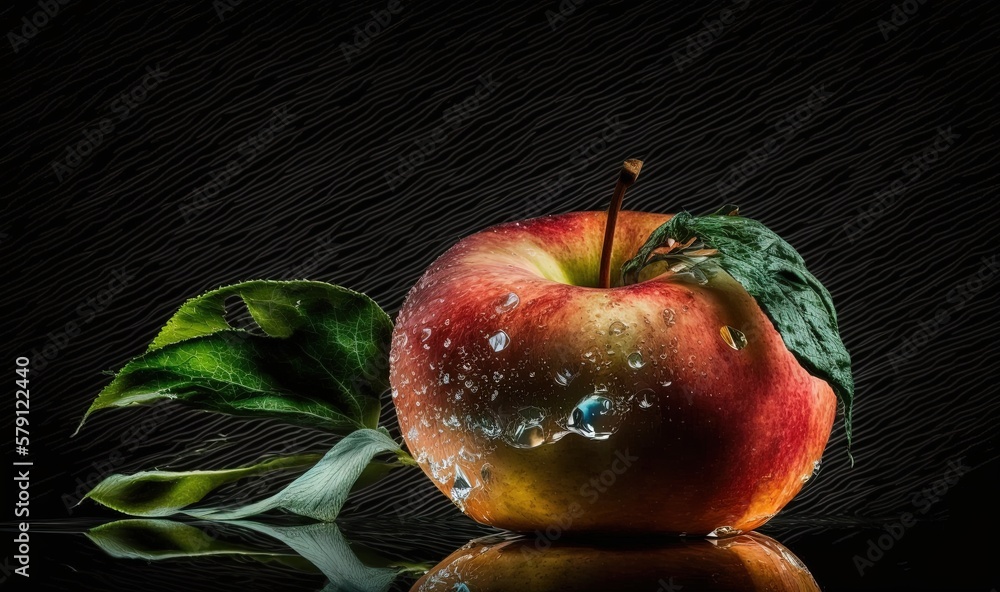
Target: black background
{"type": "Point", "coordinates": [571, 97]}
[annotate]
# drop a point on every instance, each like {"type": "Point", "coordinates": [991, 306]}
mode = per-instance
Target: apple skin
{"type": "Point", "coordinates": [749, 562]}
{"type": "Point", "coordinates": [708, 437]}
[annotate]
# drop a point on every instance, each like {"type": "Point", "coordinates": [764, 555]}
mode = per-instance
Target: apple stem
{"type": "Point", "coordinates": [627, 176]}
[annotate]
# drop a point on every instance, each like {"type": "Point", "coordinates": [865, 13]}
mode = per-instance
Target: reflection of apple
{"type": "Point", "coordinates": [746, 562]}
{"type": "Point", "coordinates": [535, 399]}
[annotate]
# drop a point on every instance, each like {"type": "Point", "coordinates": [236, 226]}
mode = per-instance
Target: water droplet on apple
{"type": "Point", "coordinates": [617, 328]}
{"type": "Point", "coordinates": [525, 435]}
{"type": "Point", "coordinates": [635, 360]}
{"type": "Point", "coordinates": [724, 531]}
{"type": "Point", "coordinates": [594, 417]}
{"type": "Point", "coordinates": [526, 430]}
{"type": "Point", "coordinates": [425, 334]}
{"type": "Point", "coordinates": [645, 398]}
{"type": "Point", "coordinates": [816, 466]}
{"type": "Point", "coordinates": [486, 472]}
{"type": "Point", "coordinates": [669, 317]}
{"type": "Point", "coordinates": [485, 425]}
{"type": "Point", "coordinates": [499, 341]}
{"type": "Point", "coordinates": [508, 303]}
{"type": "Point", "coordinates": [460, 487]}
{"type": "Point", "coordinates": [733, 337]}
{"type": "Point", "coordinates": [564, 377]}
{"type": "Point", "coordinates": [447, 342]}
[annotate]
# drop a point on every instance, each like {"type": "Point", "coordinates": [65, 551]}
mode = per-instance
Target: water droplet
{"type": "Point", "coordinates": [733, 337]}
{"type": "Point", "coordinates": [447, 342]}
{"type": "Point", "coordinates": [669, 317]}
{"type": "Point", "coordinates": [645, 399]}
{"type": "Point", "coordinates": [724, 531]}
{"type": "Point", "coordinates": [400, 340]}
{"type": "Point", "coordinates": [635, 361]}
{"type": "Point", "coordinates": [617, 328]}
{"type": "Point", "coordinates": [499, 341]}
{"type": "Point", "coordinates": [425, 334]}
{"type": "Point", "coordinates": [816, 466]}
{"type": "Point", "coordinates": [508, 303]}
{"type": "Point", "coordinates": [594, 417]}
{"type": "Point", "coordinates": [446, 379]}
{"type": "Point", "coordinates": [486, 472]}
{"type": "Point", "coordinates": [526, 430]}
{"type": "Point", "coordinates": [485, 425]}
{"type": "Point", "coordinates": [564, 377]}
{"type": "Point", "coordinates": [460, 487]}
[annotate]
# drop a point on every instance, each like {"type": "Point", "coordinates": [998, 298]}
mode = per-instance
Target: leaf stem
{"type": "Point", "coordinates": [627, 176]}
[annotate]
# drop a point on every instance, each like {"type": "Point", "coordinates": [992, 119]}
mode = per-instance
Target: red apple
{"type": "Point", "coordinates": [536, 400]}
{"type": "Point", "coordinates": [749, 562]}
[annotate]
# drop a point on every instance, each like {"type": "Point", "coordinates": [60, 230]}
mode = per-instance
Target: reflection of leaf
{"type": "Point", "coordinates": [321, 545]}
{"type": "Point", "coordinates": [325, 547]}
{"type": "Point", "coordinates": [162, 493]}
{"type": "Point", "coordinates": [161, 539]}
{"type": "Point", "coordinates": [322, 360]}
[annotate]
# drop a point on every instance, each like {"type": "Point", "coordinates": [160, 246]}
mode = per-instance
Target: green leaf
{"type": "Point", "coordinates": [162, 493]}
{"type": "Point", "coordinates": [320, 358]}
{"type": "Point", "coordinates": [322, 490]}
{"type": "Point", "coordinates": [771, 271]}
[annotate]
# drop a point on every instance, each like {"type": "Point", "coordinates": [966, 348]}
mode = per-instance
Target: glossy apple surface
{"type": "Point", "coordinates": [534, 399]}
{"type": "Point", "coordinates": [750, 562]}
